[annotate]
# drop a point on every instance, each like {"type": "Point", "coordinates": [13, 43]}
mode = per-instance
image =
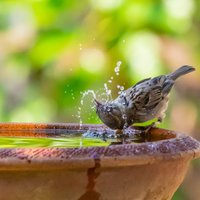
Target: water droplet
{"type": "Point", "coordinates": [80, 123]}
{"type": "Point", "coordinates": [81, 143]}
{"type": "Point", "coordinates": [84, 94]}
{"type": "Point", "coordinates": [121, 88]}
{"type": "Point", "coordinates": [108, 92]}
{"type": "Point", "coordinates": [124, 116]}
{"type": "Point", "coordinates": [117, 68]}
{"type": "Point", "coordinates": [108, 109]}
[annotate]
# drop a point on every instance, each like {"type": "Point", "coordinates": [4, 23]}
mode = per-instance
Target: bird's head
{"type": "Point", "coordinates": [110, 114]}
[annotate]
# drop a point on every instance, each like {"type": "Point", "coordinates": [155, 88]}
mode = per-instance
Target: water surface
{"type": "Point", "coordinates": [72, 139]}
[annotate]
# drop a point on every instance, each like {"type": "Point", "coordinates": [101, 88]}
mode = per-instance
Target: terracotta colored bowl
{"type": "Point", "coordinates": [149, 171]}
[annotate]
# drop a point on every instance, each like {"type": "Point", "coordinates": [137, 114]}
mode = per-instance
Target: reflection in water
{"type": "Point", "coordinates": [131, 135]}
{"type": "Point", "coordinates": [92, 174]}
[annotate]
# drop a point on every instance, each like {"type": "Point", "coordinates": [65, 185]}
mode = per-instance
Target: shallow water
{"type": "Point", "coordinates": [70, 139]}
{"type": "Point", "coordinates": [15, 142]}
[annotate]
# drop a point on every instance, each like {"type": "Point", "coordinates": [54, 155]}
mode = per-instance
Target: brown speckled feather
{"type": "Point", "coordinates": [146, 100]}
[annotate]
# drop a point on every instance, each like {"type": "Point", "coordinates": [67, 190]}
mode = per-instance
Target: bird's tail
{"type": "Point", "coordinates": [185, 69]}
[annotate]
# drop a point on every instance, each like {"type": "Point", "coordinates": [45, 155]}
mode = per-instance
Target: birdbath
{"type": "Point", "coordinates": [151, 170]}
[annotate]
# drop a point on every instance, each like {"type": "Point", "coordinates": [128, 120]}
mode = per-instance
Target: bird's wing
{"type": "Point", "coordinates": [148, 93]}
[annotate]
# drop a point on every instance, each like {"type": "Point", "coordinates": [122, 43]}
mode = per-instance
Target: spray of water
{"type": "Point", "coordinates": [79, 117]}
{"type": "Point", "coordinates": [107, 90]}
{"type": "Point", "coordinates": [107, 93]}
{"type": "Point", "coordinates": [117, 68]}
{"type": "Point", "coordinates": [85, 93]}
{"type": "Point", "coordinates": [121, 89]}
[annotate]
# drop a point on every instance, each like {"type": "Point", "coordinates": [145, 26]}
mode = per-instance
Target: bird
{"type": "Point", "coordinates": [144, 101]}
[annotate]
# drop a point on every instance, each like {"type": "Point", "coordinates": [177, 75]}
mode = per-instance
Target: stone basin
{"type": "Point", "coordinates": [150, 170]}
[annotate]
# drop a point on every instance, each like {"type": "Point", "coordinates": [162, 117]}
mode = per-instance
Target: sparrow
{"type": "Point", "coordinates": [146, 100]}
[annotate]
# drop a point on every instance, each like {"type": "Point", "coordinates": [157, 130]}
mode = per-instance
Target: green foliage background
{"type": "Point", "coordinates": [52, 50]}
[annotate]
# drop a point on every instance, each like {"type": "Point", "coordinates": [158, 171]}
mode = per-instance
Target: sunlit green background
{"type": "Point", "coordinates": [52, 50]}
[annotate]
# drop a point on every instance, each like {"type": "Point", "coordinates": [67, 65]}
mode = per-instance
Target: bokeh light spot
{"type": "Point", "coordinates": [106, 4]}
{"type": "Point", "coordinates": [142, 52]}
{"type": "Point", "coordinates": [92, 60]}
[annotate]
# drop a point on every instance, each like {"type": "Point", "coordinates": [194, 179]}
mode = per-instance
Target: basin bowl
{"type": "Point", "coordinates": [150, 170]}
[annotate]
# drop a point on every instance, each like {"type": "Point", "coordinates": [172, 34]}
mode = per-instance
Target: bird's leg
{"type": "Point", "coordinates": [121, 137]}
{"type": "Point", "coordinates": [104, 136]}
{"type": "Point", "coordinates": [119, 133]}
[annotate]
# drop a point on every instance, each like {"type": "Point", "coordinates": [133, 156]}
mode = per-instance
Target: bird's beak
{"type": "Point", "coordinates": [97, 103]}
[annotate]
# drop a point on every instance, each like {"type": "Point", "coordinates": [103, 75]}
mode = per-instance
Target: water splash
{"type": "Point", "coordinates": [108, 92]}
{"type": "Point", "coordinates": [84, 94]}
{"type": "Point", "coordinates": [87, 92]}
{"type": "Point", "coordinates": [104, 94]}
{"type": "Point", "coordinates": [110, 80]}
{"type": "Point", "coordinates": [81, 142]}
{"type": "Point", "coordinates": [121, 89]}
{"type": "Point", "coordinates": [117, 68]}
{"type": "Point", "coordinates": [79, 117]}
{"type": "Point", "coordinates": [69, 92]}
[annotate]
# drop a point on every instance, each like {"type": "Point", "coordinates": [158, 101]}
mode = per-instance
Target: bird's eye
{"type": "Point", "coordinates": [108, 108]}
